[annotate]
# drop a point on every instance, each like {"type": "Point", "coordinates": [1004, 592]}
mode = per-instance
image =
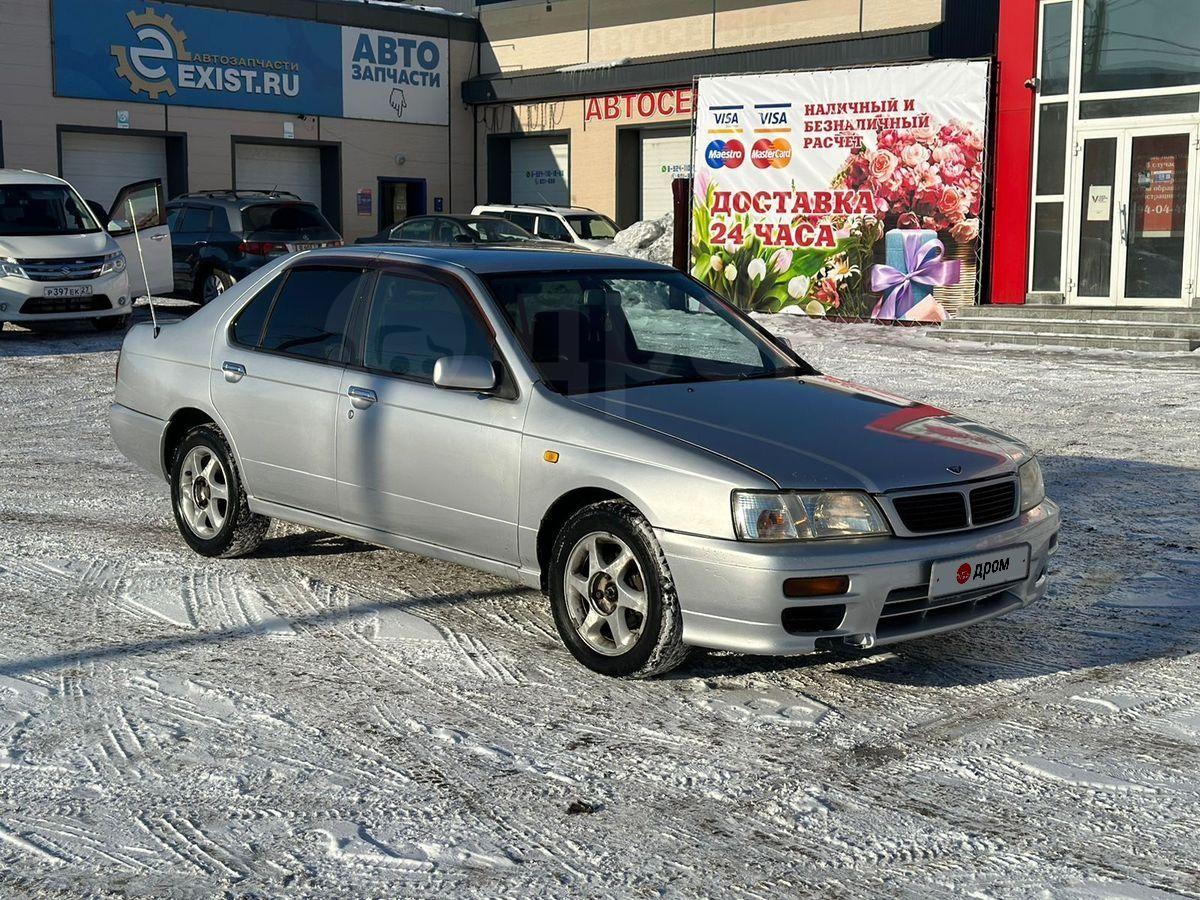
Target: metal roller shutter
{"type": "Point", "coordinates": [99, 165]}
{"type": "Point", "coordinates": [279, 167]}
{"type": "Point", "coordinates": [540, 171]}
{"type": "Point", "coordinates": [665, 157]}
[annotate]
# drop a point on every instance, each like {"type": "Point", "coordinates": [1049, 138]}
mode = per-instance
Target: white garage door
{"type": "Point", "coordinates": [99, 165]}
{"type": "Point", "coordinates": [279, 167]}
{"type": "Point", "coordinates": [664, 158]}
{"type": "Point", "coordinates": [539, 171]}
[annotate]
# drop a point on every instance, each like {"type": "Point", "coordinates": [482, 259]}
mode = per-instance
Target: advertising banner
{"type": "Point", "coordinates": [191, 56]}
{"type": "Point", "coordinates": [848, 192]}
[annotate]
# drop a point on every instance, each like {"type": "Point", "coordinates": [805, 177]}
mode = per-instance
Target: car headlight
{"type": "Point", "coordinates": [11, 267]}
{"type": "Point", "coordinates": [114, 262]}
{"type": "Point", "coordinates": [795, 516]}
{"type": "Point", "coordinates": [1033, 488]}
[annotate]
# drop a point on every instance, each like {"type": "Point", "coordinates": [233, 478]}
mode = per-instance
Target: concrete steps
{"type": "Point", "coordinates": [1144, 330]}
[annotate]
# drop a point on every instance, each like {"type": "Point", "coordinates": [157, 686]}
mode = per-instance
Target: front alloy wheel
{"type": "Point", "coordinates": [605, 592]}
{"type": "Point", "coordinates": [612, 594]}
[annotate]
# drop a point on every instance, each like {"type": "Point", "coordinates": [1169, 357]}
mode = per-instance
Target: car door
{"type": "Point", "coordinates": [189, 236]}
{"type": "Point", "coordinates": [138, 223]}
{"type": "Point", "coordinates": [417, 460]}
{"type": "Point", "coordinates": [276, 378]}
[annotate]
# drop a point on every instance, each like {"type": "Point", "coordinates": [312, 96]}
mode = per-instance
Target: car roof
{"type": "Point", "coordinates": [27, 176]}
{"type": "Point", "coordinates": [240, 199]}
{"type": "Point", "coordinates": [498, 258]}
{"type": "Point", "coordinates": [537, 208]}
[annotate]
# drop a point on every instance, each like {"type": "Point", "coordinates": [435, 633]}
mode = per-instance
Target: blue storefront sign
{"type": "Point", "coordinates": [189, 56]}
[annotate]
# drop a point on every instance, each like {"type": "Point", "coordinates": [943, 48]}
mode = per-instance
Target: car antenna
{"type": "Point", "coordinates": [137, 239]}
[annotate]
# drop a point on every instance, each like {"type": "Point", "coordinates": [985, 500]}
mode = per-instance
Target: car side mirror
{"type": "Point", "coordinates": [465, 373]}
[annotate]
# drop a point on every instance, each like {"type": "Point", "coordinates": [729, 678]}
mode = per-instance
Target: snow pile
{"type": "Point", "coordinates": [651, 239]}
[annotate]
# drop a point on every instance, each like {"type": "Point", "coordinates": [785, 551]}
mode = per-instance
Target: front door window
{"type": "Point", "coordinates": [1155, 237]}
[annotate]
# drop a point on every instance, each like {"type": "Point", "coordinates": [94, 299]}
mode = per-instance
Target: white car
{"type": "Point", "coordinates": [57, 261]}
{"type": "Point", "coordinates": [575, 225]}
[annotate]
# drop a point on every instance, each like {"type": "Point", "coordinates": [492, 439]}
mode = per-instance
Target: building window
{"type": "Point", "coordinates": [1047, 246]}
{"type": "Point", "coordinates": [1055, 69]}
{"type": "Point", "coordinates": [1052, 149]}
{"type": "Point", "coordinates": [1139, 45]}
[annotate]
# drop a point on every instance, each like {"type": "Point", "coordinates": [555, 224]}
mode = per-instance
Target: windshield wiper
{"type": "Point", "coordinates": [784, 372]}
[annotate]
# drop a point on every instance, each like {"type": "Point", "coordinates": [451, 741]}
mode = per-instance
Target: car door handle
{"type": "Point", "coordinates": [234, 372]}
{"type": "Point", "coordinates": [361, 397]}
{"type": "Point", "coordinates": [157, 237]}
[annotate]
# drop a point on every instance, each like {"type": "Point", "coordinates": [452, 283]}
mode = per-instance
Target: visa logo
{"type": "Point", "coordinates": [726, 118]}
{"type": "Point", "coordinates": [773, 117]}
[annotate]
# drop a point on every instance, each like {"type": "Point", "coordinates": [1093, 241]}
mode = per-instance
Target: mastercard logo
{"type": "Point", "coordinates": [727, 154]}
{"type": "Point", "coordinates": [767, 153]}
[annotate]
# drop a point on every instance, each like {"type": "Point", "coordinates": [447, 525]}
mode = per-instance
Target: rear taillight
{"type": "Point", "coordinates": [261, 248]}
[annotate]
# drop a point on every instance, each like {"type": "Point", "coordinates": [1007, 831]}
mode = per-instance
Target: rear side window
{"type": "Point", "coordinates": [525, 220]}
{"type": "Point", "coordinates": [552, 229]}
{"type": "Point", "coordinates": [247, 327]}
{"type": "Point", "coordinates": [309, 317]}
{"type": "Point", "coordinates": [420, 230]}
{"type": "Point", "coordinates": [413, 323]}
{"type": "Point", "coordinates": [195, 218]}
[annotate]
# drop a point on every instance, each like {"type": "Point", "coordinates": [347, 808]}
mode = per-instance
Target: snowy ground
{"type": "Point", "coordinates": [328, 718]}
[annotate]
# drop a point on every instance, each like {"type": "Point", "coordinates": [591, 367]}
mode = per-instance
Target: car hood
{"type": "Point", "coordinates": [55, 246]}
{"type": "Point", "coordinates": [596, 244]}
{"type": "Point", "coordinates": [818, 432]}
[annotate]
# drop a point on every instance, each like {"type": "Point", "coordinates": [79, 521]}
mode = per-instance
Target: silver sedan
{"type": "Point", "coordinates": [601, 428]}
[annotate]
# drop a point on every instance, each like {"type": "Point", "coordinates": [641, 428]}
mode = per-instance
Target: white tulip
{"type": "Point", "coordinates": [717, 263]}
{"type": "Point", "coordinates": [731, 273]}
{"type": "Point", "coordinates": [797, 287]}
{"type": "Point", "coordinates": [757, 268]}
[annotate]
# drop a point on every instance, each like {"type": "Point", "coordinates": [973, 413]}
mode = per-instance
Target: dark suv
{"type": "Point", "coordinates": [220, 236]}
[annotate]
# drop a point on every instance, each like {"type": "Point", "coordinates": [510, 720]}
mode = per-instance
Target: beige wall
{"type": "Point", "coordinates": [30, 115]}
{"type": "Point", "coordinates": [524, 36]}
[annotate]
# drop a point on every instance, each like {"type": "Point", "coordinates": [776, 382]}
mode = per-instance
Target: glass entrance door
{"type": "Point", "coordinates": [1136, 231]}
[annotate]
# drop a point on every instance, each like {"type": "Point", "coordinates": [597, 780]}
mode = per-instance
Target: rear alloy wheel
{"type": "Point", "coordinates": [613, 598]}
{"type": "Point", "coordinates": [210, 504]}
{"type": "Point", "coordinates": [215, 283]}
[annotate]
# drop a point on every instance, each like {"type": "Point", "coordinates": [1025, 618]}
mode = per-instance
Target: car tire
{"type": "Point", "coordinates": [111, 323]}
{"type": "Point", "coordinates": [612, 594]}
{"type": "Point", "coordinates": [208, 498]}
{"type": "Point", "coordinates": [212, 284]}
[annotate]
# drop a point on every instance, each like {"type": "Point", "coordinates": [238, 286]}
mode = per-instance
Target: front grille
{"type": "Point", "coordinates": [81, 268]}
{"type": "Point", "coordinates": [907, 610]}
{"type": "Point", "coordinates": [924, 513]}
{"type": "Point", "coordinates": [993, 503]}
{"type": "Point", "coordinates": [42, 306]}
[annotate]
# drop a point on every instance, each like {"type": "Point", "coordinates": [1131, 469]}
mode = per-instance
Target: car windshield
{"type": "Point", "coordinates": [284, 217]}
{"type": "Point", "coordinates": [594, 227]}
{"type": "Point", "coordinates": [601, 330]}
{"type": "Point", "coordinates": [40, 209]}
{"type": "Point", "coordinates": [488, 231]}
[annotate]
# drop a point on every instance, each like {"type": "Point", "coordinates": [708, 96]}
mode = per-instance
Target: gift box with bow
{"type": "Point", "coordinates": [914, 267]}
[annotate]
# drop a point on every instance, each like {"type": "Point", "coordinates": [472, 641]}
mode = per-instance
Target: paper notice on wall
{"type": "Point", "coordinates": [1158, 188]}
{"type": "Point", "coordinates": [1099, 202]}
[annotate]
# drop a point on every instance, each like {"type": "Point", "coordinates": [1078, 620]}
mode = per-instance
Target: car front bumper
{"type": "Point", "coordinates": [24, 300]}
{"type": "Point", "coordinates": [731, 592]}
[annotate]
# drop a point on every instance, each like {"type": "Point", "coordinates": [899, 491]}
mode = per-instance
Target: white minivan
{"type": "Point", "coordinates": [59, 260]}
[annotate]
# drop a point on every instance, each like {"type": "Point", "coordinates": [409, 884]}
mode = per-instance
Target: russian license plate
{"type": "Point", "coordinates": [74, 290]}
{"type": "Point", "coordinates": [309, 245]}
{"type": "Point", "coordinates": [967, 573]}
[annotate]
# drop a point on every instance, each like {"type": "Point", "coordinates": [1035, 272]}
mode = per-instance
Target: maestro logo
{"type": "Point", "coordinates": [729, 154]}
{"type": "Point", "coordinates": [767, 153]}
{"type": "Point", "coordinates": [143, 66]}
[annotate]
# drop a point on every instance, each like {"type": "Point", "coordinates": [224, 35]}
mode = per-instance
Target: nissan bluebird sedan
{"type": "Point", "coordinates": [601, 428]}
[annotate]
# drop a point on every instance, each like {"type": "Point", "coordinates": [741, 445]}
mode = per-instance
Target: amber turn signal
{"type": "Point", "coordinates": [819, 586]}
{"type": "Point", "coordinates": [550, 456]}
